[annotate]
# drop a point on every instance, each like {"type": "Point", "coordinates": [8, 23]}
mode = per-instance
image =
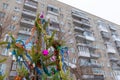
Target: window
{"type": "Point", "coordinates": [19, 1]}
{"type": "Point", "coordinates": [87, 33]}
{"type": "Point", "coordinates": [17, 9]}
{"type": "Point", "coordinates": [7, 38]}
{"type": "Point", "coordinates": [72, 50]}
{"type": "Point", "coordinates": [71, 41]}
{"type": "Point", "coordinates": [14, 65]}
{"type": "Point", "coordinates": [14, 18]}
{"type": "Point", "coordinates": [11, 27]}
{"type": "Point", "coordinates": [52, 8]}
{"type": "Point", "coordinates": [24, 38]}
{"type": "Point", "coordinates": [2, 69]}
{"type": "Point", "coordinates": [42, 5]}
{"type": "Point", "coordinates": [74, 60]}
{"type": "Point", "coordinates": [5, 50]}
{"type": "Point", "coordinates": [2, 14]}
{"type": "Point", "coordinates": [5, 5]}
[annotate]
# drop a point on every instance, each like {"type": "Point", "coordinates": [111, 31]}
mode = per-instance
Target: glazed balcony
{"type": "Point", "coordinates": [25, 32]}
{"type": "Point", "coordinates": [115, 59]}
{"type": "Point", "coordinates": [30, 5]}
{"type": "Point", "coordinates": [27, 22]}
{"type": "Point", "coordinates": [82, 22]}
{"type": "Point", "coordinates": [79, 14]}
{"type": "Point", "coordinates": [79, 28]}
{"type": "Point", "coordinates": [84, 54]}
{"type": "Point", "coordinates": [116, 37]}
{"type": "Point", "coordinates": [29, 14]}
{"type": "Point", "coordinates": [93, 55]}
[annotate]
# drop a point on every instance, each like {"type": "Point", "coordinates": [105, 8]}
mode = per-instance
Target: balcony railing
{"type": "Point", "coordinates": [81, 22]}
{"type": "Point", "coordinates": [94, 55]}
{"type": "Point", "coordinates": [116, 38]}
{"type": "Point", "coordinates": [79, 14]}
{"type": "Point", "coordinates": [54, 28]}
{"type": "Point", "coordinates": [31, 4]}
{"type": "Point", "coordinates": [27, 21]}
{"type": "Point", "coordinates": [84, 54]}
{"type": "Point", "coordinates": [111, 50]}
{"type": "Point", "coordinates": [96, 65]}
{"type": "Point", "coordinates": [80, 36]}
{"type": "Point", "coordinates": [102, 28]}
{"type": "Point", "coordinates": [117, 43]}
{"type": "Point", "coordinates": [90, 77]}
{"type": "Point", "coordinates": [28, 12]}
{"type": "Point", "coordinates": [78, 28]}
{"type": "Point", "coordinates": [25, 32]}
{"type": "Point", "coordinates": [115, 67]}
{"type": "Point", "coordinates": [105, 35]}
{"type": "Point", "coordinates": [91, 38]}
{"type": "Point", "coordinates": [113, 59]}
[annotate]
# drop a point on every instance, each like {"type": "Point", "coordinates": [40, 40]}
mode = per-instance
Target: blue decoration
{"type": "Point", "coordinates": [38, 70]}
{"type": "Point", "coordinates": [43, 21]}
{"type": "Point", "coordinates": [13, 52]}
{"type": "Point", "coordinates": [8, 47]}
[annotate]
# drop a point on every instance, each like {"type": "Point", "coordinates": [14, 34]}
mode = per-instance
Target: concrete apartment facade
{"type": "Point", "coordinates": [94, 43]}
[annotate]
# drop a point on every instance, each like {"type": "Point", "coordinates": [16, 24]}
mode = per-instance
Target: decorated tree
{"type": "Point", "coordinates": [42, 61]}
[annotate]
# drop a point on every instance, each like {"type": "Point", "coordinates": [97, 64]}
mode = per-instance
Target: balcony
{"type": "Point", "coordinates": [91, 38]}
{"type": "Point", "coordinates": [52, 10]}
{"type": "Point", "coordinates": [111, 50]}
{"type": "Point", "coordinates": [116, 37]}
{"type": "Point", "coordinates": [29, 14]}
{"type": "Point", "coordinates": [24, 32]}
{"type": "Point", "coordinates": [79, 35]}
{"type": "Point", "coordinates": [117, 44]}
{"type": "Point", "coordinates": [27, 22]}
{"type": "Point", "coordinates": [112, 27]}
{"type": "Point", "coordinates": [105, 35]}
{"type": "Point", "coordinates": [90, 77]}
{"type": "Point", "coordinates": [118, 63]}
{"type": "Point", "coordinates": [79, 14]}
{"type": "Point", "coordinates": [70, 64]}
{"type": "Point", "coordinates": [81, 22]}
{"type": "Point", "coordinates": [30, 5]}
{"type": "Point", "coordinates": [84, 54]}
{"type": "Point", "coordinates": [79, 28]}
{"type": "Point", "coordinates": [54, 28]}
{"type": "Point", "coordinates": [114, 59]}
{"type": "Point", "coordinates": [85, 64]}
{"type": "Point", "coordinates": [115, 67]}
{"type": "Point", "coordinates": [99, 77]}
{"type": "Point", "coordinates": [103, 28]}
{"type": "Point", "coordinates": [94, 55]}
{"type": "Point", "coordinates": [86, 45]}
{"type": "Point", "coordinates": [96, 65]}
{"type": "Point", "coordinates": [35, 0]}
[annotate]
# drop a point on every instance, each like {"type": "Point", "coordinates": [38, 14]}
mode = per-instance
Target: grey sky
{"type": "Point", "coordinates": [107, 9]}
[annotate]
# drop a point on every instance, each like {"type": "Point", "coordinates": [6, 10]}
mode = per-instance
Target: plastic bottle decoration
{"type": "Point", "coordinates": [45, 52]}
{"type": "Point", "coordinates": [41, 15]}
{"type": "Point", "coordinates": [52, 58]}
{"type": "Point", "coordinates": [18, 78]}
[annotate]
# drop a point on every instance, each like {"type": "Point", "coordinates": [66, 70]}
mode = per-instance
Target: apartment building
{"type": "Point", "coordinates": [94, 43]}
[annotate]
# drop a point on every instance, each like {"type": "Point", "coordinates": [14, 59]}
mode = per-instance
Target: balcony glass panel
{"type": "Point", "coordinates": [110, 49]}
{"type": "Point", "coordinates": [89, 36]}
{"type": "Point", "coordinates": [116, 37]}
{"type": "Point", "coordinates": [79, 14]}
{"type": "Point", "coordinates": [83, 51]}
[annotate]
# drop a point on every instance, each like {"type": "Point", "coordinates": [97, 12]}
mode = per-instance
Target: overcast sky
{"type": "Point", "coordinates": [107, 9]}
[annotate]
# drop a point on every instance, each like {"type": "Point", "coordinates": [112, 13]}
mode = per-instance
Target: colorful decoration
{"type": "Point", "coordinates": [45, 52]}
{"type": "Point", "coordinates": [39, 60]}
